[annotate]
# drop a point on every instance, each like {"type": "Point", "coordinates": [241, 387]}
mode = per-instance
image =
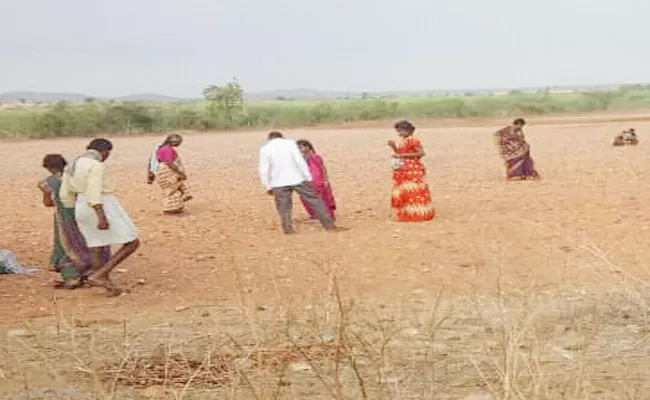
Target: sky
{"type": "Point", "coordinates": [178, 47]}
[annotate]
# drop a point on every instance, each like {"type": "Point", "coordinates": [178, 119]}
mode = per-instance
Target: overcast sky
{"type": "Point", "coordinates": [177, 47]}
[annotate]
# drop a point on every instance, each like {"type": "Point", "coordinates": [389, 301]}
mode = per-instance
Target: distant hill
{"type": "Point", "coordinates": [44, 97]}
{"type": "Point", "coordinates": [149, 97]}
{"type": "Point", "coordinates": [48, 97]}
{"type": "Point", "coordinates": [300, 94]}
{"type": "Point", "coordinates": [288, 94]}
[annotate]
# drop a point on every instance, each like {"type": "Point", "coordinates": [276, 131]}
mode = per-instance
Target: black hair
{"type": "Point", "coordinates": [174, 137]}
{"type": "Point", "coordinates": [275, 135]}
{"type": "Point", "coordinates": [404, 126]}
{"type": "Point", "coordinates": [306, 143]}
{"type": "Point", "coordinates": [100, 145]}
{"type": "Point", "coordinates": [519, 121]}
{"type": "Point", "coordinates": [54, 162]}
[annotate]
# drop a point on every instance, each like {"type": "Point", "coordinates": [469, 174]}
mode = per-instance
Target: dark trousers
{"type": "Point", "coordinates": [284, 203]}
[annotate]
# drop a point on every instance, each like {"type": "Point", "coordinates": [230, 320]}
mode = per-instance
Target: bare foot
{"type": "Point", "coordinates": [69, 284]}
{"type": "Point", "coordinates": [101, 281]}
{"type": "Point", "coordinates": [175, 212]}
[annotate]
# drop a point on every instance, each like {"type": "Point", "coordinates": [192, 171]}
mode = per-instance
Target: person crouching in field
{"type": "Point", "coordinates": [516, 151]}
{"type": "Point", "coordinates": [100, 217]}
{"type": "Point", "coordinates": [320, 179]}
{"type": "Point", "coordinates": [626, 138]}
{"type": "Point", "coordinates": [70, 254]}
{"type": "Point", "coordinates": [166, 167]}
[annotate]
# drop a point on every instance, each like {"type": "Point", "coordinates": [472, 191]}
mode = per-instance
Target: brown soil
{"type": "Point", "coordinates": [584, 229]}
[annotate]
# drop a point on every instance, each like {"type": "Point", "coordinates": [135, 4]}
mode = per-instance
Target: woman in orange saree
{"type": "Point", "coordinates": [411, 198]}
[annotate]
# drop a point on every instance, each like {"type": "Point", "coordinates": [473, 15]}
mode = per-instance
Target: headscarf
{"type": "Point", "coordinates": [173, 139]}
{"type": "Point", "coordinates": [92, 154]}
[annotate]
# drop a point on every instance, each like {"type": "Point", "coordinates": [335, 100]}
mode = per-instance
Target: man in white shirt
{"type": "Point", "coordinates": [283, 170]}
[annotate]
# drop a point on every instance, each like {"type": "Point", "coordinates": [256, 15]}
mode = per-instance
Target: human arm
{"type": "Point", "coordinates": [174, 167]}
{"type": "Point", "coordinates": [264, 169]}
{"type": "Point", "coordinates": [151, 177]}
{"type": "Point", "coordinates": [299, 161]}
{"type": "Point", "coordinates": [152, 166]}
{"type": "Point", "coordinates": [46, 191]}
{"type": "Point", "coordinates": [416, 153]}
{"type": "Point", "coordinates": [94, 194]}
{"type": "Point", "coordinates": [412, 149]}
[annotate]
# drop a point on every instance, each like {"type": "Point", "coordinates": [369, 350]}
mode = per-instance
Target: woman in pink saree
{"type": "Point", "coordinates": [320, 179]}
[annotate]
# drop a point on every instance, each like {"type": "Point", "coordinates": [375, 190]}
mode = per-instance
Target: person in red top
{"type": "Point", "coordinates": [411, 198]}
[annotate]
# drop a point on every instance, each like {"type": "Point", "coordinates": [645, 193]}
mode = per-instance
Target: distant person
{"type": "Point", "coordinates": [619, 140]}
{"type": "Point", "coordinates": [630, 137]}
{"type": "Point", "coordinates": [283, 170]}
{"type": "Point", "coordinates": [516, 152]}
{"type": "Point", "coordinates": [411, 198]}
{"type": "Point", "coordinates": [70, 254]}
{"type": "Point", "coordinates": [100, 217]}
{"type": "Point", "coordinates": [165, 166]}
{"type": "Point", "coordinates": [320, 179]}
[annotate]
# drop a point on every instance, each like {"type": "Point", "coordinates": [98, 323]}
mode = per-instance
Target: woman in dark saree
{"type": "Point", "coordinates": [70, 255]}
{"type": "Point", "coordinates": [516, 152]}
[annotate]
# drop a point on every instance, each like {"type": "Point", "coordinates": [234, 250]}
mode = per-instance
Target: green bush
{"type": "Point", "coordinates": [224, 111]}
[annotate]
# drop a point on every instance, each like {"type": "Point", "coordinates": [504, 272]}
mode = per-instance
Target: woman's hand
{"type": "Point", "coordinates": [150, 178]}
{"type": "Point", "coordinates": [47, 200]}
{"type": "Point", "coordinates": [391, 144]}
{"type": "Point", "coordinates": [183, 176]}
{"type": "Point", "coordinates": [103, 224]}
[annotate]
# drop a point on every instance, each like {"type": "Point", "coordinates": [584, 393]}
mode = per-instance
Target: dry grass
{"type": "Point", "coordinates": [531, 291]}
{"type": "Point", "coordinates": [545, 345]}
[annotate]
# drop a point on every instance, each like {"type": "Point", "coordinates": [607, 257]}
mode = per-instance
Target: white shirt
{"type": "Point", "coordinates": [282, 164]}
{"type": "Point", "coordinates": [88, 180]}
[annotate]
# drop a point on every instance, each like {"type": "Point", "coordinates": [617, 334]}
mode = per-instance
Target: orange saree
{"type": "Point", "coordinates": [411, 198]}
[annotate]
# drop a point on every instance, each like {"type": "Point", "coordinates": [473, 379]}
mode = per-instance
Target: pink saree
{"type": "Point", "coordinates": [323, 188]}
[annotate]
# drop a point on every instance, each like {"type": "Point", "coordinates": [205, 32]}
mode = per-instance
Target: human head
{"type": "Point", "coordinates": [404, 128]}
{"type": "Point", "coordinates": [55, 163]}
{"type": "Point", "coordinates": [305, 146]}
{"type": "Point", "coordinates": [275, 135]}
{"type": "Point", "coordinates": [519, 123]}
{"type": "Point", "coordinates": [103, 146]}
{"type": "Point", "coordinates": [174, 140]}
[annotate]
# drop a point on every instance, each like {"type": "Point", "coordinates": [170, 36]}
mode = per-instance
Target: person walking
{"type": "Point", "coordinates": [283, 170]}
{"type": "Point", "coordinates": [165, 166]}
{"type": "Point", "coordinates": [320, 179]}
{"type": "Point", "coordinates": [515, 151]}
{"type": "Point", "coordinates": [99, 215]}
{"type": "Point", "coordinates": [70, 254]}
